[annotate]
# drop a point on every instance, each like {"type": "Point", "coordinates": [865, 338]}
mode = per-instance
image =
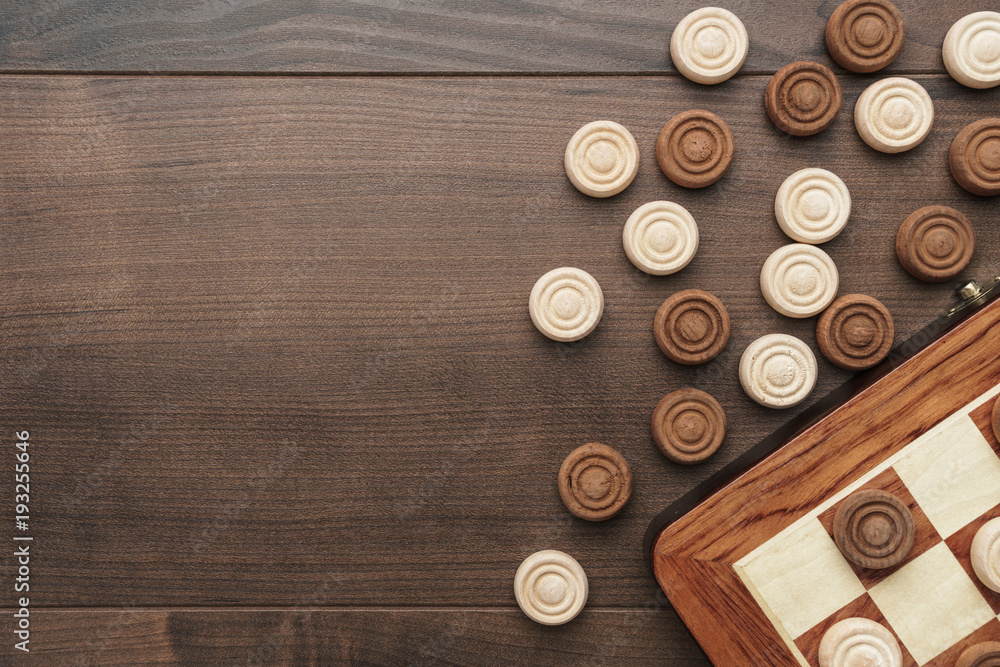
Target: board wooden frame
{"type": "Point", "coordinates": [694, 545]}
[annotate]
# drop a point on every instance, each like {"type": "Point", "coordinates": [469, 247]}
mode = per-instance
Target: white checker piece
{"type": "Point", "coordinates": [799, 577]}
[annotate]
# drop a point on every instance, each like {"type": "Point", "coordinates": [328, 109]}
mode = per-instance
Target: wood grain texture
{"type": "Point", "coordinates": [267, 295]}
{"type": "Point", "coordinates": [421, 35]}
{"type": "Point", "coordinates": [651, 635]}
{"type": "Point", "coordinates": [247, 320]}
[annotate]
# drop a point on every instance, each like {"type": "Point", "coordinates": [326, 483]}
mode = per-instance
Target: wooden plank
{"type": "Point", "coordinates": [272, 333]}
{"type": "Point", "coordinates": [307, 636]}
{"type": "Point", "coordinates": [419, 36]}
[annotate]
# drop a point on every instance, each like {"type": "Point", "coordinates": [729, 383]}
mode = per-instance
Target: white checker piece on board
{"type": "Point", "coordinates": [799, 577]}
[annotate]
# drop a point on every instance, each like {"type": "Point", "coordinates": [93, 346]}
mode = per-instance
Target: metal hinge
{"type": "Point", "coordinates": [972, 294]}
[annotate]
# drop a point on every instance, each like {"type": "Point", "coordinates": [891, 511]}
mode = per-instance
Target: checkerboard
{"type": "Point", "coordinates": [749, 562]}
{"type": "Point", "coordinates": [932, 602]}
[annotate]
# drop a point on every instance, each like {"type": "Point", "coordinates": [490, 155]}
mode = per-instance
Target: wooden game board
{"type": "Point", "coordinates": [753, 569]}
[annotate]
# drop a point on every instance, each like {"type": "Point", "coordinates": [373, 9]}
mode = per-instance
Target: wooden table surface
{"type": "Point", "coordinates": [265, 267]}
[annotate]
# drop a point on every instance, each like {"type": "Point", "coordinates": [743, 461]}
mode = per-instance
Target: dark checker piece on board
{"type": "Point", "coordinates": [874, 529]}
{"type": "Point", "coordinates": [983, 654]}
{"type": "Point", "coordinates": [935, 243]}
{"type": "Point", "coordinates": [688, 426]}
{"type": "Point", "coordinates": [855, 332]}
{"type": "Point", "coordinates": [974, 157]}
{"type": "Point", "coordinates": [803, 98]}
{"type": "Point", "coordinates": [865, 35]}
{"type": "Point", "coordinates": [695, 148]}
{"type": "Point", "coordinates": [996, 419]}
{"type": "Point", "coordinates": [595, 482]}
{"type": "Point", "coordinates": [691, 327]}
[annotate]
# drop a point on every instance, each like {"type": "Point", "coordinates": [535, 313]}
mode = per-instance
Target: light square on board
{"type": "Point", "coordinates": [931, 603]}
{"type": "Point", "coordinates": [803, 578]}
{"type": "Point", "coordinates": [954, 475]}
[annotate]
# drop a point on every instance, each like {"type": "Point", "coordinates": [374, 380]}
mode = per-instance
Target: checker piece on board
{"type": "Point", "coordinates": [865, 35]}
{"type": "Point", "coordinates": [695, 148]}
{"type": "Point", "coordinates": [983, 654]}
{"type": "Point", "coordinates": [855, 332]}
{"type": "Point", "coordinates": [602, 158]}
{"type": "Point", "coordinates": [996, 419]}
{"type": "Point", "coordinates": [691, 327]}
{"type": "Point", "coordinates": [974, 157]}
{"type": "Point", "coordinates": [595, 482]}
{"type": "Point", "coordinates": [550, 587]}
{"type": "Point", "coordinates": [935, 243]}
{"type": "Point", "coordinates": [803, 98]}
{"type": "Point", "coordinates": [688, 426]}
{"type": "Point", "coordinates": [985, 554]}
{"type": "Point", "coordinates": [859, 642]}
{"type": "Point", "coordinates": [874, 529]}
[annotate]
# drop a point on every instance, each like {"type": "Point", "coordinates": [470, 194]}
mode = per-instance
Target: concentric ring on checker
{"type": "Point", "coordinates": [982, 654]}
{"type": "Point", "coordinates": [859, 641]}
{"type": "Point", "coordinates": [566, 304]}
{"type": "Point", "coordinates": [864, 36]}
{"type": "Point", "coordinates": [855, 332]}
{"type": "Point", "coordinates": [799, 280]}
{"type": "Point", "coordinates": [874, 529]}
{"type": "Point", "coordinates": [894, 115]}
{"type": "Point", "coordinates": [935, 243]}
{"type": "Point", "coordinates": [695, 148]}
{"type": "Point", "coordinates": [602, 158]}
{"type": "Point", "coordinates": [971, 50]}
{"type": "Point", "coordinates": [660, 238]}
{"type": "Point", "coordinates": [688, 426]}
{"type": "Point", "coordinates": [691, 327]}
{"type": "Point", "coordinates": [709, 45]}
{"type": "Point", "coordinates": [974, 157]}
{"type": "Point", "coordinates": [803, 98]}
{"type": "Point", "coordinates": [550, 587]}
{"type": "Point", "coordinates": [595, 482]}
{"type": "Point", "coordinates": [812, 205]}
{"type": "Point", "coordinates": [778, 371]}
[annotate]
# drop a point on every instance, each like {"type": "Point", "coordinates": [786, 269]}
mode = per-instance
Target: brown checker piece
{"type": "Point", "coordinates": [863, 607]}
{"type": "Point", "coordinates": [983, 419]}
{"type": "Point", "coordinates": [961, 542]}
{"type": "Point", "coordinates": [989, 632]}
{"type": "Point", "coordinates": [925, 534]}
